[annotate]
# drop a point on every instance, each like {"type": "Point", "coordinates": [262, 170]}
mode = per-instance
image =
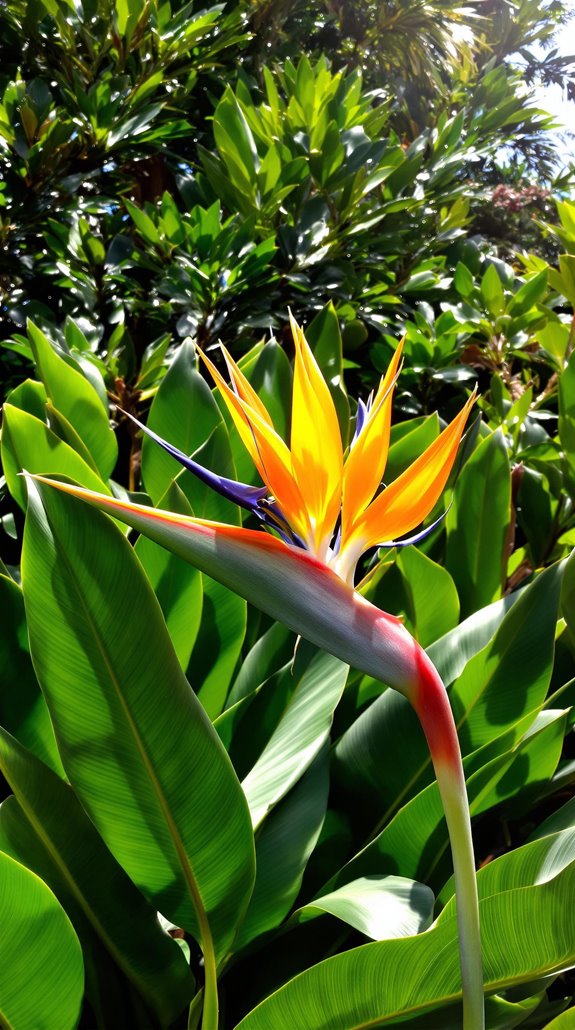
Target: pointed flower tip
{"type": "Point", "coordinates": [242, 494]}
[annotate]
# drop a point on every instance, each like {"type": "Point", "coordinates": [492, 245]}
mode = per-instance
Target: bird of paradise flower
{"type": "Point", "coordinates": [324, 510]}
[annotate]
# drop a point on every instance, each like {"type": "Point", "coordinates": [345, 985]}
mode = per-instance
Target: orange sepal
{"type": "Point", "coordinates": [268, 452]}
{"type": "Point", "coordinates": [365, 464]}
{"type": "Point", "coordinates": [409, 499]}
{"type": "Point", "coordinates": [244, 388]}
{"type": "Point", "coordinates": [316, 448]}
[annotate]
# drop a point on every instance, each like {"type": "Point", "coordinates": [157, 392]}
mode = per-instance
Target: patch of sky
{"type": "Point", "coordinates": [553, 98]}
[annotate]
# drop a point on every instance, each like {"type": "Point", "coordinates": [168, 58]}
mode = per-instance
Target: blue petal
{"type": "Point", "coordinates": [272, 516]}
{"type": "Point", "coordinates": [362, 413]}
{"type": "Point", "coordinates": [240, 493]}
{"type": "Point", "coordinates": [417, 536]}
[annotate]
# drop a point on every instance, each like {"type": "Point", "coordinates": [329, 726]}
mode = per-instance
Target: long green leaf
{"type": "Point", "coordinates": [45, 828]}
{"type": "Point", "coordinates": [283, 846]}
{"type": "Point", "coordinates": [27, 443]}
{"type": "Point", "coordinates": [185, 413]}
{"type": "Point", "coordinates": [433, 604]}
{"type": "Point", "coordinates": [496, 687]}
{"type": "Point", "coordinates": [269, 653]}
{"type": "Point", "coordinates": [536, 862]}
{"type": "Point", "coordinates": [415, 840]}
{"type": "Point", "coordinates": [41, 973]}
{"type": "Point", "coordinates": [376, 984]}
{"type": "Point", "coordinates": [451, 652]}
{"type": "Point", "coordinates": [76, 398]}
{"type": "Point", "coordinates": [568, 596]}
{"type": "Point", "coordinates": [300, 735]}
{"type": "Point", "coordinates": [176, 583]}
{"type": "Point", "coordinates": [565, 1021]}
{"type": "Point", "coordinates": [511, 676]}
{"type": "Point", "coordinates": [477, 525]}
{"type": "Point", "coordinates": [23, 710]}
{"type": "Point", "coordinates": [136, 744]}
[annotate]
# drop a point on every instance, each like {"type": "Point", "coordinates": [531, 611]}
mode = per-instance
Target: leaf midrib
{"type": "Point", "coordinates": [203, 924]}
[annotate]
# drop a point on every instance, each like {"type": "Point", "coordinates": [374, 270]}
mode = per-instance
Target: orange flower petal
{"type": "Point", "coordinates": [236, 408]}
{"type": "Point", "coordinates": [409, 499]}
{"type": "Point", "coordinates": [244, 389]}
{"type": "Point", "coordinates": [268, 452]}
{"type": "Point", "coordinates": [365, 463]}
{"type": "Point", "coordinates": [316, 448]}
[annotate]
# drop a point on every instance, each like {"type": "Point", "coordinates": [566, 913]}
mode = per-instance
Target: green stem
{"type": "Point", "coordinates": [454, 798]}
{"type": "Point", "coordinates": [210, 1013]}
{"type": "Point", "coordinates": [432, 706]}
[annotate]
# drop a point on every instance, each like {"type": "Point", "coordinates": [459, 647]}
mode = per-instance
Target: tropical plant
{"type": "Point", "coordinates": [329, 776]}
{"type": "Point", "coordinates": [203, 811]}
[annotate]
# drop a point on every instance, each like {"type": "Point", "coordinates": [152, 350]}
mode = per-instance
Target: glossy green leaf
{"type": "Point", "coordinates": [185, 413]}
{"type": "Point", "coordinates": [235, 141]}
{"type": "Point", "coordinates": [492, 292]}
{"type": "Point", "coordinates": [500, 1014]}
{"type": "Point", "coordinates": [75, 397]}
{"type": "Point", "coordinates": [27, 443]}
{"type": "Point", "coordinates": [564, 280]}
{"type": "Point", "coordinates": [568, 596]}
{"type": "Point", "coordinates": [477, 525]}
{"type": "Point", "coordinates": [23, 710]}
{"type": "Point", "coordinates": [527, 866]}
{"type": "Point", "coordinates": [127, 15]}
{"type": "Point", "coordinates": [29, 396]}
{"type": "Point", "coordinates": [380, 982]}
{"type": "Point", "coordinates": [269, 654]}
{"type": "Point", "coordinates": [531, 292]}
{"type": "Point", "coordinates": [415, 840]}
{"type": "Point", "coordinates": [567, 410]}
{"type": "Point", "coordinates": [65, 431]}
{"type": "Point", "coordinates": [566, 212]}
{"type": "Point", "coordinates": [283, 846]}
{"type": "Point", "coordinates": [554, 338]}
{"type": "Point", "coordinates": [176, 583]}
{"type": "Point", "coordinates": [562, 819]}
{"type": "Point", "coordinates": [371, 763]}
{"type": "Point", "coordinates": [510, 677]}
{"type": "Point", "coordinates": [535, 514]}
{"type": "Point", "coordinates": [408, 441]}
{"type": "Point", "coordinates": [140, 753]}
{"type": "Point", "coordinates": [381, 907]}
{"type": "Point", "coordinates": [464, 283]}
{"type": "Point", "coordinates": [143, 223]}
{"type": "Point", "coordinates": [271, 377]}
{"type": "Point", "coordinates": [299, 736]}
{"type": "Point", "coordinates": [372, 767]}
{"type": "Point", "coordinates": [433, 604]}
{"type": "Point", "coordinates": [452, 652]}
{"type": "Point", "coordinates": [247, 724]}
{"type": "Point", "coordinates": [45, 828]}
{"type": "Point", "coordinates": [305, 88]}
{"type": "Point", "coordinates": [41, 974]}
{"type": "Point", "coordinates": [224, 613]}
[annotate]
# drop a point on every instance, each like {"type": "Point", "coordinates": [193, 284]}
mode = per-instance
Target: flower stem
{"type": "Point", "coordinates": [432, 706]}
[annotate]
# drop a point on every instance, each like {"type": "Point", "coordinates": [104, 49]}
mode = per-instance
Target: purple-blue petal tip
{"type": "Point", "coordinates": [243, 494]}
{"type": "Point", "coordinates": [416, 536]}
{"type": "Point", "coordinates": [362, 413]}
